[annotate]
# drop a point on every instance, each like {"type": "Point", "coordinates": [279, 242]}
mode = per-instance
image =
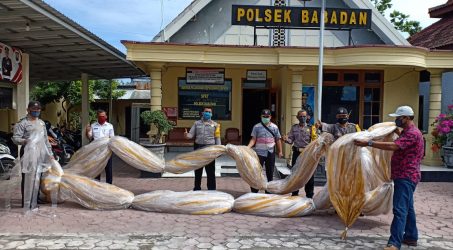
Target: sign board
{"type": "Point", "coordinates": [193, 97]}
{"type": "Point", "coordinates": [205, 76]}
{"type": "Point", "coordinates": [256, 75]}
{"type": "Point", "coordinates": [11, 67]}
{"type": "Point", "coordinates": [303, 17]}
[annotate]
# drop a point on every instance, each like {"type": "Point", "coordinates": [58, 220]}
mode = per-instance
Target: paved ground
{"type": "Point", "coordinates": [73, 227]}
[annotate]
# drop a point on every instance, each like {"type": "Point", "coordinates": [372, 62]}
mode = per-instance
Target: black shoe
{"type": "Point", "coordinates": [196, 189]}
{"type": "Point", "coordinates": [412, 243]}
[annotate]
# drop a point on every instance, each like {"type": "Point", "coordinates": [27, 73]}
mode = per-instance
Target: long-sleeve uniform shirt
{"type": "Point", "coordinates": [337, 130]}
{"type": "Point", "coordinates": [205, 132]}
{"type": "Point", "coordinates": [24, 129]}
{"type": "Point", "coordinates": [301, 136]}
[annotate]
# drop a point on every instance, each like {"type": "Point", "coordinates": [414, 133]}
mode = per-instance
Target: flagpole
{"type": "Point", "coordinates": [321, 58]}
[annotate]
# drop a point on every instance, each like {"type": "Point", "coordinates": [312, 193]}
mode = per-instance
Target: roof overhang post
{"type": "Point", "coordinates": [23, 88]}
{"type": "Point", "coordinates": [85, 107]}
{"type": "Point", "coordinates": [155, 74]}
{"type": "Point", "coordinates": [435, 104]}
{"type": "Point", "coordinates": [110, 102]}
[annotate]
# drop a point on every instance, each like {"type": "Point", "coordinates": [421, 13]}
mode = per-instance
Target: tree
{"type": "Point", "coordinates": [69, 93]}
{"type": "Point", "coordinates": [400, 20]}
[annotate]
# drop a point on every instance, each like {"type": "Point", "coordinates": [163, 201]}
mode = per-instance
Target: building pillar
{"type": "Point", "coordinates": [296, 95]}
{"type": "Point", "coordinates": [156, 88]}
{"type": "Point", "coordinates": [435, 104]}
{"type": "Point", "coordinates": [23, 89]}
{"type": "Point", "coordinates": [85, 107]}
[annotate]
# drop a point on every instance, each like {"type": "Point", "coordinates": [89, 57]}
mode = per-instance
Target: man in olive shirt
{"type": "Point", "coordinates": [342, 127]}
{"type": "Point", "coordinates": [206, 133]}
{"type": "Point", "coordinates": [300, 136]}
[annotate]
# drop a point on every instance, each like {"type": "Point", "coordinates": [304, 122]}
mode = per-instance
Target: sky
{"type": "Point", "coordinates": [141, 20]}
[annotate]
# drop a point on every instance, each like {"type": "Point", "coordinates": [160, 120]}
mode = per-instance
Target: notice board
{"type": "Point", "coordinates": [193, 97]}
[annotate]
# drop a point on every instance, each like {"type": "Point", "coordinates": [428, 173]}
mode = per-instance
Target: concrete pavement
{"type": "Point", "coordinates": [73, 227]}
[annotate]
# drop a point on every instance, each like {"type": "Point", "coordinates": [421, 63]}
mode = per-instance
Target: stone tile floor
{"type": "Point", "coordinates": [70, 226]}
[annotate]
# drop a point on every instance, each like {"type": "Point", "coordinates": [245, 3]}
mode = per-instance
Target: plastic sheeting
{"type": "Point", "coordinates": [358, 178]}
{"type": "Point", "coordinates": [273, 205]}
{"type": "Point", "coordinates": [136, 155]}
{"type": "Point", "coordinates": [304, 167]}
{"type": "Point", "coordinates": [379, 201]}
{"type": "Point", "coordinates": [91, 159]}
{"type": "Point", "coordinates": [248, 166]}
{"type": "Point", "coordinates": [322, 199]}
{"type": "Point", "coordinates": [35, 161]}
{"type": "Point", "coordinates": [50, 183]}
{"type": "Point", "coordinates": [93, 194]}
{"type": "Point", "coordinates": [8, 185]}
{"type": "Point", "coordinates": [191, 202]}
{"type": "Point", "coordinates": [347, 167]}
{"type": "Point", "coordinates": [194, 160]}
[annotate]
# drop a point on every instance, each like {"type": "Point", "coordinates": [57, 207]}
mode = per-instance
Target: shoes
{"type": "Point", "coordinates": [412, 243]}
{"type": "Point", "coordinates": [391, 247]}
{"type": "Point", "coordinates": [40, 201]}
{"type": "Point", "coordinates": [196, 189]}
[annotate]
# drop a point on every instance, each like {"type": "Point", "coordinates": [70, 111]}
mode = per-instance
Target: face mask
{"type": "Point", "coordinates": [207, 115]}
{"type": "Point", "coordinates": [265, 120]}
{"type": "Point", "coordinates": [302, 119]}
{"type": "Point", "coordinates": [399, 122]}
{"type": "Point", "coordinates": [102, 120]}
{"type": "Point", "coordinates": [35, 113]}
{"type": "Point", "coordinates": [342, 120]}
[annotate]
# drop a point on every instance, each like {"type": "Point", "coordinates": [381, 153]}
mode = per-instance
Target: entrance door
{"type": "Point", "coordinates": [253, 101]}
{"type": "Point", "coordinates": [138, 128]}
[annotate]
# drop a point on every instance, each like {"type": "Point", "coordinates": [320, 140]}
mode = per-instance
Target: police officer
{"type": "Point", "coordinates": [342, 127]}
{"type": "Point", "coordinates": [98, 130]}
{"type": "Point", "coordinates": [22, 133]}
{"type": "Point", "coordinates": [206, 133]}
{"type": "Point", "coordinates": [300, 136]}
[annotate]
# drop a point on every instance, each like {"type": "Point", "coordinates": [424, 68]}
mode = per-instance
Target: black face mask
{"type": "Point", "coordinates": [399, 122]}
{"type": "Point", "coordinates": [342, 120]}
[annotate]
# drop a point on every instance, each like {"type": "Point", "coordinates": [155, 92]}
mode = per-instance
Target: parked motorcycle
{"type": "Point", "coordinates": [6, 161]}
{"type": "Point", "coordinates": [6, 140]}
{"type": "Point", "coordinates": [61, 150]}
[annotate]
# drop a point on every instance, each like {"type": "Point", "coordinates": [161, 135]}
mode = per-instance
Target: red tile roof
{"type": "Point", "coordinates": [438, 35]}
{"type": "Point", "coordinates": [442, 10]}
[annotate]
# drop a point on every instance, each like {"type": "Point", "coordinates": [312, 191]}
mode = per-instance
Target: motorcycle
{"type": "Point", "coordinates": [61, 150]}
{"type": "Point", "coordinates": [6, 140]}
{"type": "Point", "coordinates": [6, 161]}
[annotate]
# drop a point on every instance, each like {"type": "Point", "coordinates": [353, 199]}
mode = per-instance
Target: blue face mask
{"type": "Point", "coordinates": [35, 113]}
{"type": "Point", "coordinates": [265, 120]}
{"type": "Point", "coordinates": [207, 115]}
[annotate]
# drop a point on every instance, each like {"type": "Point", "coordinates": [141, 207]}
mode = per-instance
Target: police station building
{"type": "Point", "coordinates": [242, 56]}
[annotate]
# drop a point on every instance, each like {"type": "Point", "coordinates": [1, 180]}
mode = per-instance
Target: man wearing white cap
{"type": "Point", "coordinates": [407, 154]}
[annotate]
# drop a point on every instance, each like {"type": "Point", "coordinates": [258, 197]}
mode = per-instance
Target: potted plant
{"type": "Point", "coordinates": [443, 136]}
{"type": "Point", "coordinates": [162, 125]}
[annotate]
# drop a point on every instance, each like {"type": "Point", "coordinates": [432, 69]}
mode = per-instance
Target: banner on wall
{"type": "Point", "coordinates": [308, 101]}
{"type": "Point", "coordinates": [11, 66]}
{"type": "Point", "coordinates": [205, 76]}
